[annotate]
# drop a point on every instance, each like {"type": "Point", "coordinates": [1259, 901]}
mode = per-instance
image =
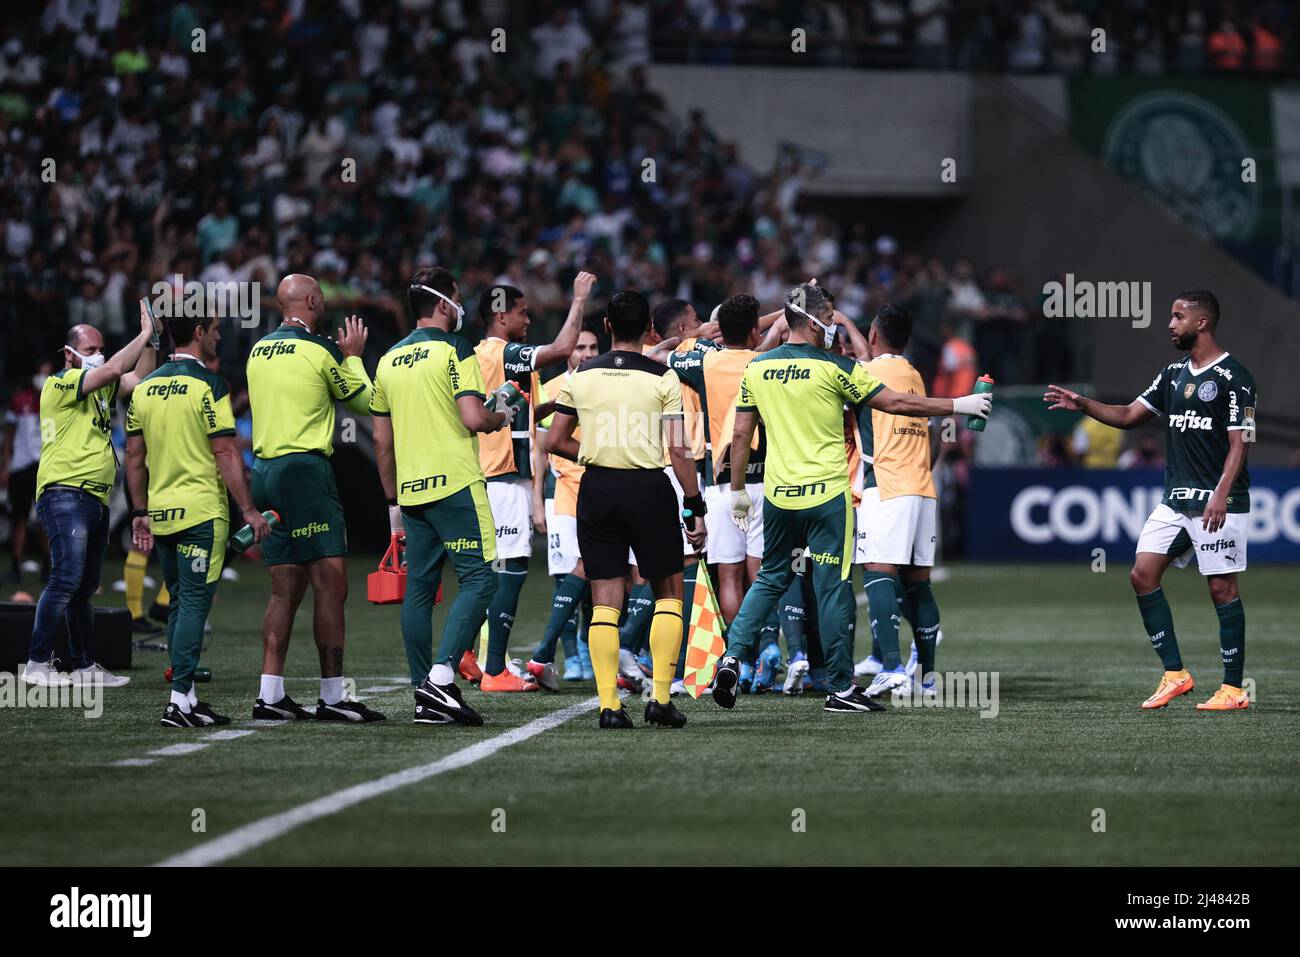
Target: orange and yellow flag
{"type": "Point", "coordinates": [704, 642]}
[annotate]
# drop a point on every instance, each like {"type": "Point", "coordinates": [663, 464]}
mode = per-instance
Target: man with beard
{"type": "Point", "coordinates": [1209, 402]}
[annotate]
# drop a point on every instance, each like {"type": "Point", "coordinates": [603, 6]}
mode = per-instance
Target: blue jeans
{"type": "Point", "coordinates": [76, 523]}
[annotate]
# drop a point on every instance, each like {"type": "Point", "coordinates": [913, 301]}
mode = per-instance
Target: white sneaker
{"type": "Point", "coordinates": [867, 666]}
{"type": "Point", "coordinates": [895, 680]}
{"type": "Point", "coordinates": [30, 567]}
{"type": "Point", "coordinates": [97, 674]}
{"type": "Point", "coordinates": [677, 687]}
{"type": "Point", "coordinates": [119, 586]}
{"type": "Point", "coordinates": [39, 673]}
{"type": "Point", "coordinates": [149, 583]}
{"type": "Point", "coordinates": [629, 667]}
{"type": "Point", "coordinates": [912, 661]}
{"type": "Point", "coordinates": [794, 676]}
{"type": "Point", "coordinates": [228, 574]}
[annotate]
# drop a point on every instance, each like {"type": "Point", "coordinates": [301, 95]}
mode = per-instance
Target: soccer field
{"type": "Point", "coordinates": [907, 786]}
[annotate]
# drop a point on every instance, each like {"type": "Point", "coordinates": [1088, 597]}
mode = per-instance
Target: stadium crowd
{"type": "Point", "coordinates": [518, 169]}
{"type": "Point", "coordinates": [1142, 36]}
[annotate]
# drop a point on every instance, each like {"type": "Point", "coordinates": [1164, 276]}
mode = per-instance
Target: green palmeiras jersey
{"type": "Point", "coordinates": [1201, 406]}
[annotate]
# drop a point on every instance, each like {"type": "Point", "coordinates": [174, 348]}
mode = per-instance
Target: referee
{"type": "Point", "coordinates": [630, 407]}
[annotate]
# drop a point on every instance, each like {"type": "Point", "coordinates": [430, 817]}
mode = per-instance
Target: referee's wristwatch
{"type": "Point", "coordinates": [696, 504]}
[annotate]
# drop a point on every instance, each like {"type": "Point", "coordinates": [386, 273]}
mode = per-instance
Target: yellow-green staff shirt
{"type": "Point", "coordinates": [75, 446]}
{"type": "Point", "coordinates": [180, 408]}
{"type": "Point", "coordinates": [294, 377]}
{"type": "Point", "coordinates": [800, 391]}
{"type": "Point", "coordinates": [416, 385]}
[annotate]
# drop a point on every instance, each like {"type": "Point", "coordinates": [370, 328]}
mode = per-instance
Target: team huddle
{"type": "Point", "coordinates": [779, 450]}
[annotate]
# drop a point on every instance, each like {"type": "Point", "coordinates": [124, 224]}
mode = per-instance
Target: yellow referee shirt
{"type": "Point", "coordinates": [621, 400]}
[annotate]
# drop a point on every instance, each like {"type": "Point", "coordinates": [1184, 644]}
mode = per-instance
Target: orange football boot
{"type": "Point", "coordinates": [506, 682]}
{"type": "Point", "coordinates": [469, 669]}
{"type": "Point", "coordinates": [1173, 684]}
{"type": "Point", "coordinates": [1227, 698]}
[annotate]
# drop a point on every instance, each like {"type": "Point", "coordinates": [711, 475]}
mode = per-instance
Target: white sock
{"type": "Point", "coordinates": [193, 698]}
{"type": "Point", "coordinates": [846, 693]}
{"type": "Point", "coordinates": [441, 674]}
{"type": "Point", "coordinates": [331, 690]}
{"type": "Point", "coordinates": [181, 700]}
{"type": "Point", "coordinates": [272, 689]}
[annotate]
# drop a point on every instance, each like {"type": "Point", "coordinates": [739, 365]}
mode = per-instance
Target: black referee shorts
{"type": "Point", "coordinates": [620, 509]}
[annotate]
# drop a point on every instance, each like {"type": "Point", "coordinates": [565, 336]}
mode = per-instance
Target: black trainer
{"type": "Point", "coordinates": [143, 626]}
{"type": "Point", "coordinates": [609, 718]}
{"type": "Point", "coordinates": [207, 715]}
{"type": "Point", "coordinates": [426, 715]}
{"type": "Point", "coordinates": [446, 699]}
{"type": "Point", "coordinates": [347, 710]}
{"type": "Point", "coordinates": [286, 709]}
{"type": "Point", "coordinates": [726, 680]}
{"type": "Point", "coordinates": [174, 717]}
{"type": "Point", "coordinates": [159, 613]}
{"type": "Point", "coordinates": [664, 715]}
{"type": "Point", "coordinates": [856, 702]}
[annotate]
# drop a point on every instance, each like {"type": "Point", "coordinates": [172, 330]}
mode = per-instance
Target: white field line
{"type": "Point", "coordinates": [244, 839]}
{"type": "Point", "coordinates": [188, 747]}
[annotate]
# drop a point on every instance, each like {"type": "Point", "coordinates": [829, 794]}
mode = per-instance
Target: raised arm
{"type": "Point", "coordinates": [123, 361]}
{"type": "Point", "coordinates": [352, 385]}
{"type": "Point", "coordinates": [1117, 416]}
{"type": "Point", "coordinates": [565, 342]}
{"type": "Point", "coordinates": [904, 403]}
{"type": "Point", "coordinates": [147, 362]}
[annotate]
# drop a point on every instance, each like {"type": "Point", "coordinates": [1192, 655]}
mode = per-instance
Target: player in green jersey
{"type": "Point", "coordinates": [800, 390]}
{"type": "Point", "coordinates": [180, 448]}
{"type": "Point", "coordinates": [73, 481]}
{"type": "Point", "coordinates": [1208, 400]}
{"type": "Point", "coordinates": [428, 408]}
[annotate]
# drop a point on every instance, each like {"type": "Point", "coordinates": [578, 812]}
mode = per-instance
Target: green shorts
{"type": "Point", "coordinates": [300, 487]}
{"type": "Point", "coordinates": [459, 526]}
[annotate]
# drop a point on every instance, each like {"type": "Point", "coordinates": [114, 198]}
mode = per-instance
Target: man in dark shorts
{"type": "Point", "coordinates": [294, 378]}
{"type": "Point", "coordinates": [630, 407]}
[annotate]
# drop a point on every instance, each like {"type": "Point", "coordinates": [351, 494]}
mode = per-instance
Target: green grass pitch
{"type": "Point", "coordinates": [930, 787]}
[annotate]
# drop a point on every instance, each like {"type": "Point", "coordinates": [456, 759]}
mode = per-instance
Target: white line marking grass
{"type": "Point", "coordinates": [132, 763]}
{"type": "Point", "coordinates": [228, 735]}
{"type": "Point", "coordinates": [244, 839]}
{"type": "Point", "coordinates": [174, 749]}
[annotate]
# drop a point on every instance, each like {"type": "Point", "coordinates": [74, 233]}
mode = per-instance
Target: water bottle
{"type": "Point", "coordinates": [983, 384]}
{"type": "Point", "coordinates": [243, 538]}
{"type": "Point", "coordinates": [507, 398]}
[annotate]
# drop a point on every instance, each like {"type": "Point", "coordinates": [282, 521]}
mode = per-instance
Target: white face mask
{"type": "Point", "coordinates": [89, 362]}
{"type": "Point", "coordinates": [828, 331]}
{"type": "Point", "coordinates": [460, 310]}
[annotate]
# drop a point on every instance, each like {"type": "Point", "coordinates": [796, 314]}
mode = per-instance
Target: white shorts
{"type": "Point", "coordinates": [512, 512]}
{"type": "Point", "coordinates": [561, 541]}
{"type": "Point", "coordinates": [895, 531]}
{"type": "Point", "coordinates": [1173, 533]}
{"type": "Point", "coordinates": [727, 544]}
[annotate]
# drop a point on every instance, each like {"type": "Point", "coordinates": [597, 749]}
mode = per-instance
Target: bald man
{"type": "Point", "coordinates": [295, 376]}
{"type": "Point", "coordinates": [77, 471]}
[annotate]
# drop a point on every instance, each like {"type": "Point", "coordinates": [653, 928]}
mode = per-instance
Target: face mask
{"type": "Point", "coordinates": [460, 310]}
{"type": "Point", "coordinates": [90, 362]}
{"type": "Point", "coordinates": [828, 331]}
